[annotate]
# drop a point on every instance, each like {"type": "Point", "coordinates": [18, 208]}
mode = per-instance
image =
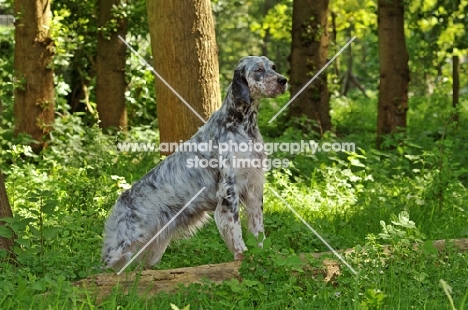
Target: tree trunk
{"type": "Point", "coordinates": [455, 85]}
{"type": "Point", "coordinates": [309, 49]}
{"type": "Point", "coordinates": [110, 68]}
{"type": "Point", "coordinates": [185, 55]}
{"type": "Point", "coordinates": [333, 36]}
{"type": "Point", "coordinates": [349, 72]}
{"type": "Point", "coordinates": [34, 48]}
{"type": "Point", "coordinates": [394, 71]}
{"type": "Point", "coordinates": [5, 211]}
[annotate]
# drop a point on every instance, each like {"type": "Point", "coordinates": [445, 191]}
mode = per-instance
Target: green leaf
{"type": "Point", "coordinates": [404, 221]}
{"type": "Point", "coordinates": [21, 224]}
{"type": "Point", "coordinates": [5, 232]}
{"type": "Point", "coordinates": [428, 248]}
{"type": "Point", "coordinates": [249, 283]}
{"type": "Point", "coordinates": [50, 232]}
{"type": "Point", "coordinates": [255, 249]}
{"type": "Point", "coordinates": [49, 207]}
{"type": "Point", "coordinates": [355, 162]}
{"type": "Point", "coordinates": [34, 231]}
{"type": "Point", "coordinates": [234, 285]}
{"type": "Point", "coordinates": [23, 242]}
{"type": "Point", "coordinates": [38, 286]}
{"type": "Point", "coordinates": [7, 220]}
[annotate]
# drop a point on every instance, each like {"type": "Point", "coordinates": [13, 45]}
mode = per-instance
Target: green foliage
{"type": "Point", "coordinates": [60, 200]}
{"type": "Point", "coordinates": [402, 232]}
{"type": "Point", "coordinates": [7, 82]}
{"type": "Point", "coordinates": [62, 196]}
{"type": "Point", "coordinates": [6, 62]}
{"type": "Point", "coordinates": [174, 307]}
{"type": "Point", "coordinates": [361, 198]}
{"type": "Point", "coordinates": [241, 28]}
{"type": "Point", "coordinates": [434, 33]}
{"type": "Point", "coordinates": [140, 96]}
{"type": "Point", "coordinates": [73, 25]}
{"type": "Point", "coordinates": [277, 22]}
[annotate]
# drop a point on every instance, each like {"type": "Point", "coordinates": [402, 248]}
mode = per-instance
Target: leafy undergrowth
{"type": "Point", "coordinates": [275, 278]}
{"type": "Point", "coordinates": [359, 199]}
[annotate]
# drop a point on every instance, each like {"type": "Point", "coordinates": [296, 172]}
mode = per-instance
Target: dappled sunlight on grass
{"type": "Point", "coordinates": [62, 198]}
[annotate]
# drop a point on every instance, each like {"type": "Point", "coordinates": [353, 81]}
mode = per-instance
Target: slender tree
{"type": "Point", "coordinates": [394, 70]}
{"type": "Point", "coordinates": [267, 5]}
{"type": "Point", "coordinates": [34, 91]}
{"type": "Point", "coordinates": [456, 84]}
{"type": "Point", "coordinates": [5, 211]}
{"type": "Point", "coordinates": [348, 79]}
{"type": "Point", "coordinates": [185, 55]}
{"type": "Point", "coordinates": [110, 66]}
{"type": "Point", "coordinates": [309, 50]}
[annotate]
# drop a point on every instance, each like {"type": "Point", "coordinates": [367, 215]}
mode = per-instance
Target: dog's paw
{"type": "Point", "coordinates": [239, 256]}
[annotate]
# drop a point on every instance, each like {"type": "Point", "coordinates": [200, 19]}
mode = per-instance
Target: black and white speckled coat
{"type": "Point", "coordinates": [152, 202]}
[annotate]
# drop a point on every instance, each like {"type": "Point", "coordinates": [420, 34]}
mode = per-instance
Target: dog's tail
{"type": "Point", "coordinates": [129, 228]}
{"type": "Point", "coordinates": [134, 222]}
{"type": "Point", "coordinates": [117, 238]}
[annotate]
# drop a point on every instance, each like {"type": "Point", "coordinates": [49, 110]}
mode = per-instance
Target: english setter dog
{"type": "Point", "coordinates": [152, 202]}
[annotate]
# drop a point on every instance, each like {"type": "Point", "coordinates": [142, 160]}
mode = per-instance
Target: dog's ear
{"type": "Point", "coordinates": [240, 88]}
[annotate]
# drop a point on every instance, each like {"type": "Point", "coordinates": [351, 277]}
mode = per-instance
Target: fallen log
{"type": "Point", "coordinates": [151, 282]}
{"type": "Point", "coordinates": [460, 244]}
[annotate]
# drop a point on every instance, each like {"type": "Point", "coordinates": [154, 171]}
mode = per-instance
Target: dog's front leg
{"type": "Point", "coordinates": [227, 213]}
{"type": "Point", "coordinates": [254, 208]}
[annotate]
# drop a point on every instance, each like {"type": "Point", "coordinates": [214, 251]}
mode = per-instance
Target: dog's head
{"type": "Point", "coordinates": [254, 78]}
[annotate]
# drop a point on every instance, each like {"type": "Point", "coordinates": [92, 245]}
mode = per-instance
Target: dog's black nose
{"type": "Point", "coordinates": [282, 80]}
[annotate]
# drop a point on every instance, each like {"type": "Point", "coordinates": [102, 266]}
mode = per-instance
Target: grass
{"type": "Point", "coordinates": [415, 192]}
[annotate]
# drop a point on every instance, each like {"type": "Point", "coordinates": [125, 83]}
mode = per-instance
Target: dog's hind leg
{"type": "Point", "coordinates": [153, 254]}
{"type": "Point", "coordinates": [227, 214]}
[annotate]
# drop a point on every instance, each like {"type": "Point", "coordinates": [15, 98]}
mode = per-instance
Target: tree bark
{"type": "Point", "coordinates": [110, 68]}
{"type": "Point", "coordinates": [309, 49]}
{"type": "Point", "coordinates": [185, 55]}
{"type": "Point", "coordinates": [151, 282]}
{"type": "Point", "coordinates": [34, 49]}
{"type": "Point", "coordinates": [394, 71]}
{"type": "Point", "coordinates": [333, 36]}
{"type": "Point", "coordinates": [5, 211]}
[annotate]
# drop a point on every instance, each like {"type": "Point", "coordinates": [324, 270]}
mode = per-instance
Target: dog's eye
{"type": "Point", "coordinates": [273, 67]}
{"type": "Point", "coordinates": [259, 70]}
